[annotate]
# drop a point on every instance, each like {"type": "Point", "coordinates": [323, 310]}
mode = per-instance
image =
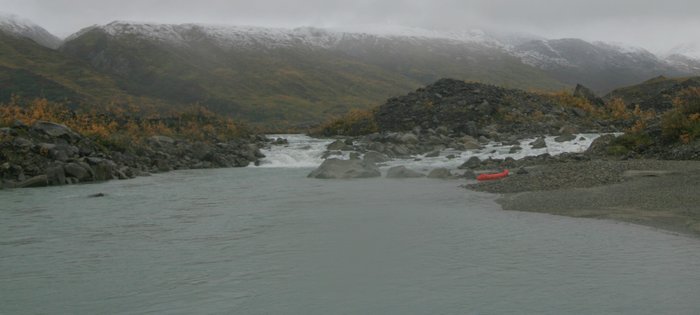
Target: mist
{"type": "Point", "coordinates": [657, 26]}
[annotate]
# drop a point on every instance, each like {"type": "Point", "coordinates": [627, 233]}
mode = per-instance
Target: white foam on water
{"type": "Point", "coordinates": [306, 152]}
{"type": "Point", "coordinates": [302, 151]}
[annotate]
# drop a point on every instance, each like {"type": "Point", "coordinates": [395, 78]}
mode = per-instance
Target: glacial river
{"type": "Point", "coordinates": [267, 240]}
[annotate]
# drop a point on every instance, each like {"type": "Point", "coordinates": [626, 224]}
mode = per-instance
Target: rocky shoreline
{"type": "Point", "coordinates": [48, 154]}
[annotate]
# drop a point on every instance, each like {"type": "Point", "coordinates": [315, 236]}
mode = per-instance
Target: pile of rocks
{"type": "Point", "coordinates": [47, 153]}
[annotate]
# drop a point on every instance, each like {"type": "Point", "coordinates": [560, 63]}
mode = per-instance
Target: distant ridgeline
{"type": "Point", "coordinates": [293, 77]}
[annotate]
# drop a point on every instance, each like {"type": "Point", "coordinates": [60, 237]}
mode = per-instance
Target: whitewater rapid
{"type": "Point", "coordinates": [306, 152]}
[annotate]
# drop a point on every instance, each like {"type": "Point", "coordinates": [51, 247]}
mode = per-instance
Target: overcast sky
{"type": "Point", "coordinates": [653, 24]}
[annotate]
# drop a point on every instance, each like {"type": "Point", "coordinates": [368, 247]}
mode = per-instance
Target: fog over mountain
{"type": "Point", "coordinates": [660, 27]}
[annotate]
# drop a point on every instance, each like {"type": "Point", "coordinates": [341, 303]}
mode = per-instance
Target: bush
{"type": "Point", "coordinates": [119, 127]}
{"type": "Point", "coordinates": [630, 142]}
{"type": "Point", "coordinates": [355, 123]}
{"type": "Point", "coordinates": [682, 122]}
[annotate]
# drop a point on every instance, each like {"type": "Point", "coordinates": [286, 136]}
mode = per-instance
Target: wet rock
{"type": "Point", "coordinates": [402, 172]}
{"type": "Point", "coordinates": [539, 143]}
{"type": "Point", "coordinates": [338, 145]}
{"type": "Point", "coordinates": [588, 94]}
{"type": "Point", "coordinates": [78, 171]}
{"type": "Point", "coordinates": [36, 181]}
{"type": "Point", "coordinates": [472, 163]}
{"type": "Point", "coordinates": [440, 173]}
{"type": "Point", "coordinates": [97, 195]}
{"type": "Point", "coordinates": [375, 157]}
{"type": "Point", "coordinates": [515, 149]}
{"type": "Point", "coordinates": [354, 156]}
{"type": "Point", "coordinates": [345, 169]}
{"type": "Point", "coordinates": [433, 154]}
{"type": "Point", "coordinates": [409, 138]}
{"type": "Point", "coordinates": [565, 138]}
{"type": "Point", "coordinates": [55, 175]}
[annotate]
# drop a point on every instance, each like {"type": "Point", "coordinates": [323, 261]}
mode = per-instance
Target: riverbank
{"type": "Point", "coordinates": [51, 154]}
{"type": "Point", "coordinates": [656, 193]}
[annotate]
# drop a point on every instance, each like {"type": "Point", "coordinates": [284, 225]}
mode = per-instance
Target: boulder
{"type": "Point", "coordinates": [515, 149]}
{"type": "Point", "coordinates": [565, 138]}
{"type": "Point", "coordinates": [435, 153]}
{"type": "Point", "coordinates": [402, 172]}
{"type": "Point", "coordinates": [338, 145]}
{"type": "Point", "coordinates": [470, 143]}
{"type": "Point", "coordinates": [539, 143]}
{"type": "Point", "coordinates": [441, 173]}
{"type": "Point", "coordinates": [55, 130]}
{"type": "Point", "coordinates": [36, 181]}
{"type": "Point", "coordinates": [375, 157]}
{"type": "Point", "coordinates": [409, 138]}
{"type": "Point", "coordinates": [78, 171]}
{"type": "Point", "coordinates": [56, 175]}
{"type": "Point", "coordinates": [472, 163]}
{"type": "Point", "coordinates": [344, 169]}
{"type": "Point", "coordinates": [588, 94]}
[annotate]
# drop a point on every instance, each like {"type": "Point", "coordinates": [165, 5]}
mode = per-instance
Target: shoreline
{"type": "Point", "coordinates": [655, 193]}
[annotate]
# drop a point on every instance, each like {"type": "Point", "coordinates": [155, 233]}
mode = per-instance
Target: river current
{"type": "Point", "coordinates": [268, 240]}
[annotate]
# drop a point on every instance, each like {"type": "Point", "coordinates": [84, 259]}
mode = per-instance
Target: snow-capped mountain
{"type": "Point", "coordinates": [598, 65]}
{"type": "Point", "coordinates": [21, 27]}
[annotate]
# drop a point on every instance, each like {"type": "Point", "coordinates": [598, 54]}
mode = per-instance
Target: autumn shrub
{"type": "Point", "coordinates": [682, 122]}
{"type": "Point", "coordinates": [354, 123]}
{"type": "Point", "coordinates": [122, 127]}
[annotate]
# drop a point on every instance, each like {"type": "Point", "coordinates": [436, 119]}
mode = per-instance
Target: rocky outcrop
{"type": "Point", "coordinates": [588, 94]}
{"type": "Point", "coordinates": [477, 109]}
{"type": "Point", "coordinates": [47, 153]}
{"type": "Point", "coordinates": [345, 169]}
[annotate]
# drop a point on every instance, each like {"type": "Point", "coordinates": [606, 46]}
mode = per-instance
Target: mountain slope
{"type": "Point", "coordinates": [30, 70]}
{"type": "Point", "coordinates": [19, 27]}
{"type": "Point", "coordinates": [276, 75]}
{"type": "Point", "coordinates": [657, 93]}
{"type": "Point", "coordinates": [601, 66]}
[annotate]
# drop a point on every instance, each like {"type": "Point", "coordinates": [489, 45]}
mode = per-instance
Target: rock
{"type": "Point", "coordinates": [469, 174]}
{"type": "Point", "coordinates": [344, 169]}
{"type": "Point", "coordinates": [338, 145]}
{"type": "Point", "coordinates": [522, 171]}
{"type": "Point", "coordinates": [588, 94]}
{"type": "Point", "coordinates": [539, 143]}
{"type": "Point", "coordinates": [22, 143]}
{"type": "Point", "coordinates": [103, 170]}
{"type": "Point", "coordinates": [402, 172]}
{"type": "Point", "coordinates": [76, 170]}
{"type": "Point", "coordinates": [515, 149]}
{"type": "Point", "coordinates": [280, 141]}
{"type": "Point", "coordinates": [331, 153]}
{"type": "Point", "coordinates": [55, 130]}
{"type": "Point", "coordinates": [441, 173]}
{"type": "Point", "coordinates": [470, 143]}
{"type": "Point", "coordinates": [97, 195]}
{"type": "Point", "coordinates": [599, 147]}
{"type": "Point", "coordinates": [160, 140]}
{"type": "Point", "coordinates": [36, 181]}
{"type": "Point", "coordinates": [354, 156]}
{"type": "Point", "coordinates": [55, 175]}
{"type": "Point", "coordinates": [472, 163]}
{"type": "Point", "coordinates": [408, 138]}
{"type": "Point", "coordinates": [375, 157]}
{"type": "Point", "coordinates": [451, 156]}
{"type": "Point", "coordinates": [565, 138]}
{"type": "Point", "coordinates": [433, 154]}
{"type": "Point", "coordinates": [18, 124]}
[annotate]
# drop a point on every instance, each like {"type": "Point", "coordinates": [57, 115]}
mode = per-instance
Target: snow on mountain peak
{"type": "Point", "coordinates": [21, 27]}
{"type": "Point", "coordinates": [229, 35]}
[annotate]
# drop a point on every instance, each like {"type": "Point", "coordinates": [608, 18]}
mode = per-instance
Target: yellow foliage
{"type": "Point", "coordinates": [122, 125]}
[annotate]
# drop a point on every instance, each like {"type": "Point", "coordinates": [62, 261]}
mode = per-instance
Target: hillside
{"type": "Point", "coordinates": [29, 70]}
{"type": "Point", "coordinates": [600, 66]}
{"type": "Point", "coordinates": [280, 76]}
{"type": "Point", "coordinates": [657, 93]}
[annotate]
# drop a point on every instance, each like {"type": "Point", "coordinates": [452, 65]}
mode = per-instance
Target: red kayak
{"type": "Point", "coordinates": [492, 176]}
